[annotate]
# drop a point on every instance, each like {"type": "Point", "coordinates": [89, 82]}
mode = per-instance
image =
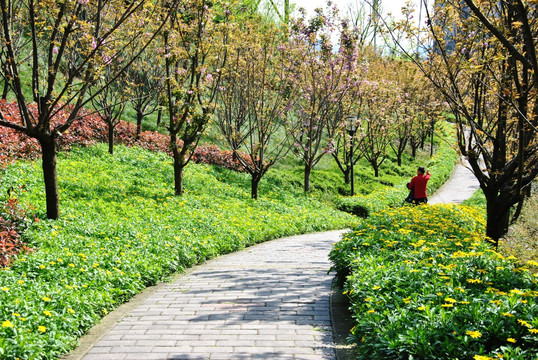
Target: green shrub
{"type": "Point", "coordinates": [424, 284]}
{"type": "Point", "coordinates": [349, 206]}
{"type": "Point", "coordinates": [121, 229]}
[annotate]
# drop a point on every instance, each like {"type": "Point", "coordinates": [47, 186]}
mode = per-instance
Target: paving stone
{"type": "Point", "coordinates": [267, 302]}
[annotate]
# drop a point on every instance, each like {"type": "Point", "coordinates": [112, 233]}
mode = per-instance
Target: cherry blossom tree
{"type": "Point", "coordinates": [255, 97]}
{"type": "Point", "coordinates": [195, 45]}
{"type": "Point", "coordinates": [322, 75]}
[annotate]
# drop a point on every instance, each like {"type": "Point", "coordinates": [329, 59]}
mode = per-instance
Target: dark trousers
{"type": "Point", "coordinates": [420, 201]}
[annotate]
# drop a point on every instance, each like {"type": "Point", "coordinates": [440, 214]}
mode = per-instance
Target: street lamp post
{"type": "Point", "coordinates": [351, 127]}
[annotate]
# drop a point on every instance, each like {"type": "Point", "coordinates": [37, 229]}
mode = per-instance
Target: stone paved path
{"type": "Point", "coordinates": [461, 186]}
{"type": "Point", "coordinates": [270, 301]}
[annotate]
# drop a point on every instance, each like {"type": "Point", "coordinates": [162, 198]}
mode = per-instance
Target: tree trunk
{"type": "Point", "coordinates": [5, 91]}
{"type": "Point", "coordinates": [498, 220]}
{"type": "Point", "coordinates": [178, 176]}
{"type": "Point", "coordinates": [399, 158]}
{"type": "Point", "coordinates": [110, 139]}
{"type": "Point", "coordinates": [376, 169]}
{"type": "Point", "coordinates": [159, 116]}
{"type": "Point", "coordinates": [307, 171]}
{"type": "Point", "coordinates": [431, 140]}
{"type": "Point", "coordinates": [50, 175]}
{"type": "Point", "coordinates": [255, 181]}
{"type": "Point", "coordinates": [346, 175]}
{"type": "Point", "coordinates": [139, 117]}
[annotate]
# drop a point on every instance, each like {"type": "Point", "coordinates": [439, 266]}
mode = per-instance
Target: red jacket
{"type": "Point", "coordinates": [419, 182]}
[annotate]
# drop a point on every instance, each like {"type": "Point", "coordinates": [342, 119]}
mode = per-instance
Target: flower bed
{"type": "Point", "coordinates": [424, 284]}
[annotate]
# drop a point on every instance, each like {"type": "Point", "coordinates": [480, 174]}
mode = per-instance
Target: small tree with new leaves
{"type": "Point", "coordinates": [322, 75]}
{"type": "Point", "coordinates": [195, 52]}
{"type": "Point", "coordinates": [254, 99]}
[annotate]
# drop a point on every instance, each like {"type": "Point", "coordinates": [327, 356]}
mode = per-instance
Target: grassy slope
{"type": "Point", "coordinates": [121, 229]}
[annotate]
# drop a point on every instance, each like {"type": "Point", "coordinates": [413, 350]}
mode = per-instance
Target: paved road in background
{"type": "Point", "coordinates": [461, 186]}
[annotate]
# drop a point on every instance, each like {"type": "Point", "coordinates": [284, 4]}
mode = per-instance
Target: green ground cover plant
{"type": "Point", "coordinates": [424, 283]}
{"type": "Point", "coordinates": [121, 229]}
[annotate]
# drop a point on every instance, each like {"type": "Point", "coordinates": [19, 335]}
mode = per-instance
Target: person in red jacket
{"type": "Point", "coordinates": [418, 184]}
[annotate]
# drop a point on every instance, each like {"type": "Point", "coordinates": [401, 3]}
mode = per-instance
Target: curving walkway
{"type": "Point", "coordinates": [270, 301]}
{"type": "Point", "coordinates": [461, 186]}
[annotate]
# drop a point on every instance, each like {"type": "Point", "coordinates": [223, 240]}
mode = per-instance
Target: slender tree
{"type": "Point", "coordinates": [195, 45]}
{"type": "Point", "coordinates": [255, 98]}
{"type": "Point", "coordinates": [146, 85]}
{"type": "Point", "coordinates": [323, 77]}
{"type": "Point", "coordinates": [109, 101]}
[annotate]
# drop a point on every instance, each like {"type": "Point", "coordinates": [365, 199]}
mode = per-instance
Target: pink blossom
{"type": "Point", "coordinates": [83, 2]}
{"type": "Point", "coordinates": [55, 50]}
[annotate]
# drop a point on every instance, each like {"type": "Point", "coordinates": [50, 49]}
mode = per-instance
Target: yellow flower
{"type": "Point", "coordinates": [5, 288]}
{"type": "Point", "coordinates": [533, 331]}
{"type": "Point", "coordinates": [371, 311]}
{"type": "Point", "coordinates": [473, 334]}
{"type": "Point", "coordinates": [524, 323]}
{"type": "Point", "coordinates": [450, 300]}
{"type": "Point", "coordinates": [16, 314]}
{"type": "Point", "coordinates": [42, 328]}
{"type": "Point", "coordinates": [447, 305]}
{"type": "Point", "coordinates": [474, 281]}
{"type": "Point", "coordinates": [20, 282]}
{"type": "Point", "coordinates": [511, 340]}
{"type": "Point", "coordinates": [481, 357]}
{"type": "Point", "coordinates": [464, 302]}
{"type": "Point", "coordinates": [45, 298]}
{"type": "Point", "coordinates": [507, 314]}
{"type": "Point", "coordinates": [7, 324]}
{"type": "Point", "coordinates": [48, 313]}
{"type": "Point", "coordinates": [71, 311]}
{"type": "Point", "coordinates": [422, 308]}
